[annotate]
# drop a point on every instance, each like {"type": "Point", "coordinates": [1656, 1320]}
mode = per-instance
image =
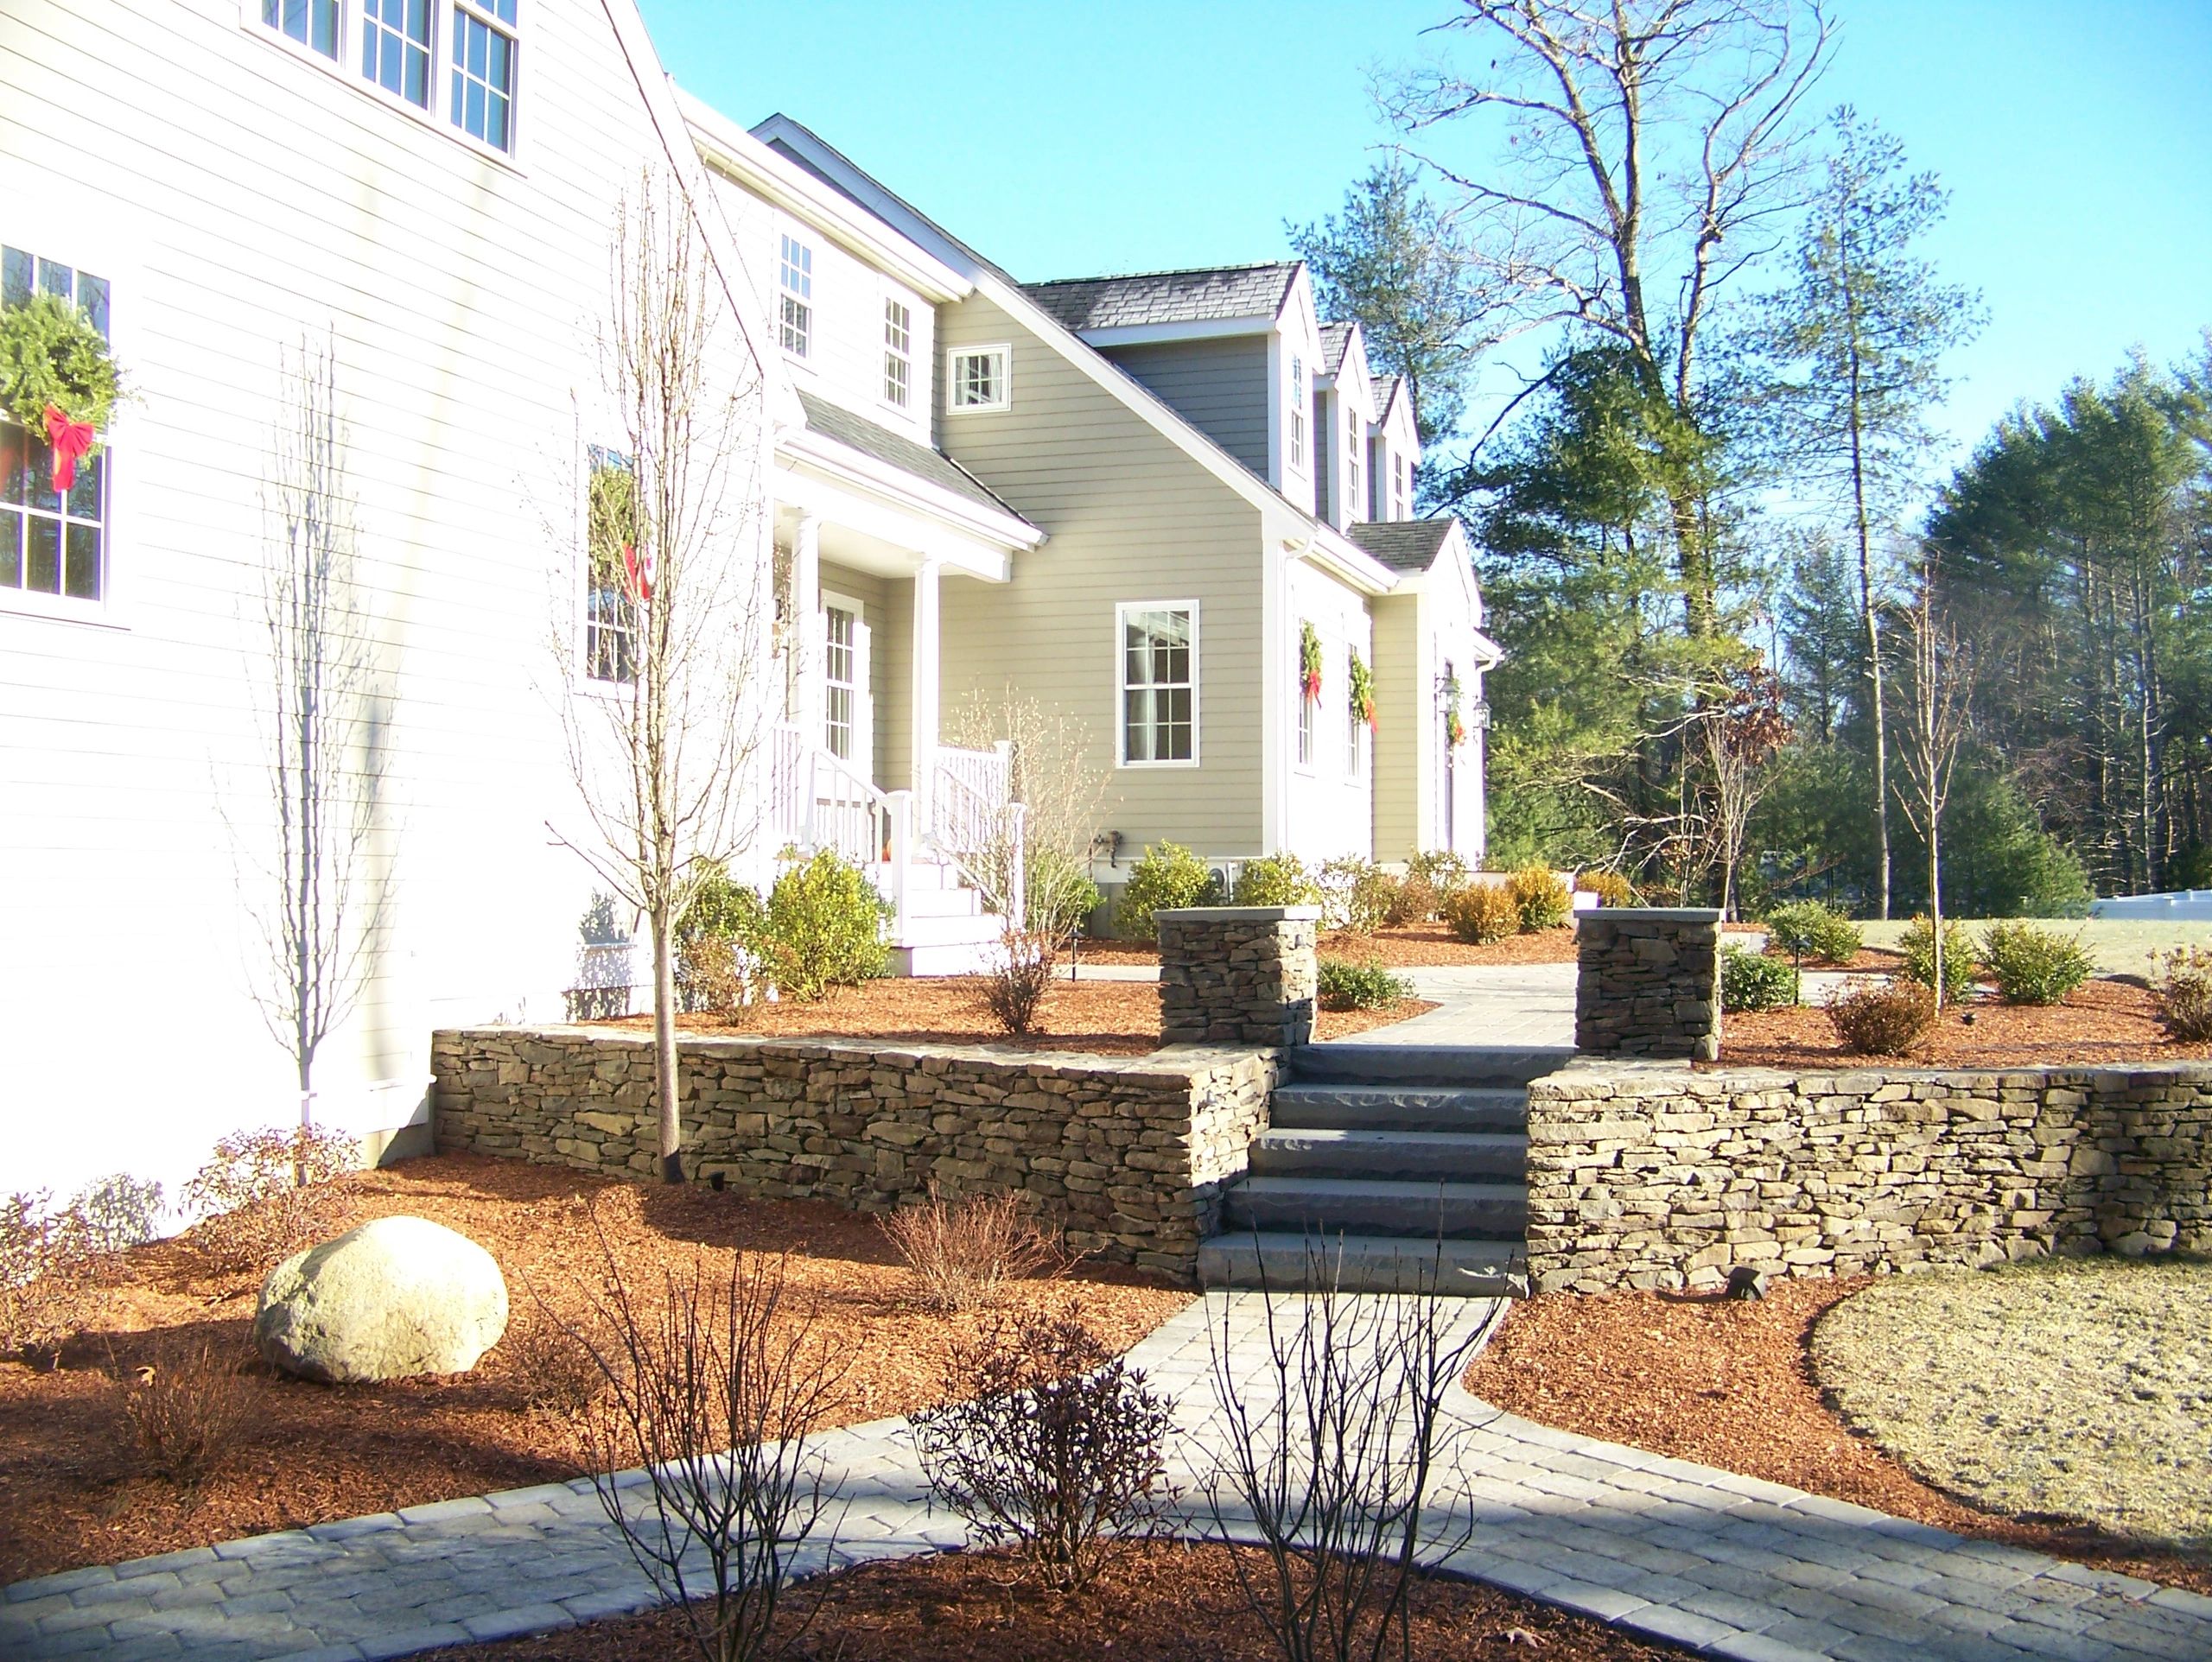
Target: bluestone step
{"type": "Point", "coordinates": [1469, 1269]}
{"type": "Point", "coordinates": [1403, 1108]}
{"type": "Point", "coordinates": [1370, 1206]}
{"type": "Point", "coordinates": [1457, 1066]}
{"type": "Point", "coordinates": [1412, 1156]}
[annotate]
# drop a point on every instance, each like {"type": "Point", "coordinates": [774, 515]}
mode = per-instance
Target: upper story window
{"type": "Point", "coordinates": [396, 47]}
{"type": "Point", "coordinates": [610, 619]}
{"type": "Point", "coordinates": [898, 354]}
{"type": "Point", "coordinates": [1352, 442]}
{"type": "Point", "coordinates": [484, 70]}
{"type": "Point", "coordinates": [52, 542]}
{"type": "Point", "coordinates": [979, 378]}
{"type": "Point", "coordinates": [1159, 688]}
{"type": "Point", "coordinates": [1400, 480]}
{"type": "Point", "coordinates": [794, 277]}
{"type": "Point", "coordinates": [312, 23]}
{"type": "Point", "coordinates": [1297, 412]}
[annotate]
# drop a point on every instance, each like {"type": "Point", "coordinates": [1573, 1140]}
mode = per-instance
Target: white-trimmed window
{"type": "Point", "coordinates": [312, 23]}
{"type": "Point", "coordinates": [1353, 439]}
{"type": "Point", "coordinates": [52, 543]}
{"type": "Point", "coordinates": [795, 279]}
{"type": "Point", "coordinates": [1297, 412]}
{"type": "Point", "coordinates": [1401, 472]}
{"type": "Point", "coordinates": [1305, 730]}
{"type": "Point", "coordinates": [898, 354]}
{"type": "Point", "coordinates": [979, 378]}
{"type": "Point", "coordinates": [396, 47]}
{"type": "Point", "coordinates": [612, 632]}
{"type": "Point", "coordinates": [1158, 655]}
{"type": "Point", "coordinates": [484, 70]}
{"type": "Point", "coordinates": [1355, 729]}
{"type": "Point", "coordinates": [840, 678]}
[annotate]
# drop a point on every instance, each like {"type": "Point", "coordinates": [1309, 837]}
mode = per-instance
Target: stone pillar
{"type": "Point", "coordinates": [1648, 983]}
{"type": "Point", "coordinates": [1237, 974]}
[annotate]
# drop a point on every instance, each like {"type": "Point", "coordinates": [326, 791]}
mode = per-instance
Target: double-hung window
{"type": "Point", "coordinates": [898, 354]}
{"type": "Point", "coordinates": [1355, 727]}
{"type": "Point", "coordinates": [795, 281]}
{"type": "Point", "coordinates": [400, 49]}
{"type": "Point", "coordinates": [1297, 412]}
{"type": "Point", "coordinates": [612, 632]}
{"type": "Point", "coordinates": [1305, 730]}
{"type": "Point", "coordinates": [52, 542]}
{"type": "Point", "coordinates": [978, 378]}
{"type": "Point", "coordinates": [396, 47]}
{"type": "Point", "coordinates": [484, 70]}
{"type": "Point", "coordinates": [312, 23]}
{"type": "Point", "coordinates": [1353, 508]}
{"type": "Point", "coordinates": [1159, 675]}
{"type": "Point", "coordinates": [1400, 470]}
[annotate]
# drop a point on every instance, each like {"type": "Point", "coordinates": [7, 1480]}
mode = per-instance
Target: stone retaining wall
{"type": "Point", "coordinates": [1647, 982]}
{"type": "Point", "coordinates": [1129, 1153]}
{"type": "Point", "coordinates": [1650, 1175]}
{"type": "Point", "coordinates": [1238, 975]}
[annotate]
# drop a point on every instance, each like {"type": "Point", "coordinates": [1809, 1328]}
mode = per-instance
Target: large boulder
{"type": "Point", "coordinates": [396, 1297]}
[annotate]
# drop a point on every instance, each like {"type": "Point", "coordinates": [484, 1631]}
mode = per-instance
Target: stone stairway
{"type": "Point", "coordinates": [1390, 1168]}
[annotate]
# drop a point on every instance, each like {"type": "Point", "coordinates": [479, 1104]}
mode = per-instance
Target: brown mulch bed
{"type": "Point", "coordinates": [1163, 1603]}
{"type": "Point", "coordinates": [1099, 1017]}
{"type": "Point", "coordinates": [1729, 1383]}
{"type": "Point", "coordinates": [2105, 1021]}
{"type": "Point", "coordinates": [72, 1492]}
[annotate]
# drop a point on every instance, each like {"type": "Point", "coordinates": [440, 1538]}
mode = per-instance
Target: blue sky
{"type": "Point", "coordinates": [1071, 138]}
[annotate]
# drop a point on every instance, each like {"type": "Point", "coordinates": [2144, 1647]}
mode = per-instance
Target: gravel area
{"type": "Point", "coordinates": [2074, 1387]}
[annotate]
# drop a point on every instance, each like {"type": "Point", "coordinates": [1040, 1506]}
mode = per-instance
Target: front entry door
{"type": "Point", "coordinates": [847, 708]}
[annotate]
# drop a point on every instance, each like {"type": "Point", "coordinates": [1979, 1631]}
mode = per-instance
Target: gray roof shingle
{"type": "Point", "coordinates": [1403, 544]}
{"type": "Point", "coordinates": [1335, 337]}
{"type": "Point", "coordinates": [1166, 297]}
{"type": "Point", "coordinates": [834, 421]}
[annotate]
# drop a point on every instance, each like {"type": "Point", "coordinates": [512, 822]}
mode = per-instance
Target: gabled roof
{"type": "Point", "coordinates": [835, 421]}
{"type": "Point", "coordinates": [1335, 337]}
{"type": "Point", "coordinates": [1403, 544]}
{"type": "Point", "coordinates": [1203, 296]}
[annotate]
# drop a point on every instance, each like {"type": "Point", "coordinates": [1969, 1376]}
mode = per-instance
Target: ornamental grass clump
{"type": "Point", "coordinates": [2181, 980]}
{"type": "Point", "coordinates": [2034, 965]}
{"type": "Point", "coordinates": [1539, 898]}
{"type": "Point", "coordinates": [1481, 913]}
{"type": "Point", "coordinates": [1360, 986]}
{"type": "Point", "coordinates": [186, 1404]}
{"type": "Point", "coordinates": [1805, 929]}
{"type": "Point", "coordinates": [964, 1254]}
{"type": "Point", "coordinates": [1750, 982]}
{"type": "Point", "coordinates": [1884, 1021]}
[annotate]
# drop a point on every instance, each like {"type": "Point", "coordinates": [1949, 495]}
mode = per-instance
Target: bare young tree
{"type": "Point", "coordinates": [1741, 727]}
{"type": "Point", "coordinates": [1652, 148]}
{"type": "Point", "coordinates": [663, 706]}
{"type": "Point", "coordinates": [316, 888]}
{"type": "Point", "coordinates": [1063, 793]}
{"type": "Point", "coordinates": [1939, 678]}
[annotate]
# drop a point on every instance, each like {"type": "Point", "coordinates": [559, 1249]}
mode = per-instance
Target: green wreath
{"type": "Point", "coordinates": [1363, 690]}
{"type": "Point", "coordinates": [1455, 730]}
{"type": "Point", "coordinates": [50, 354]}
{"type": "Point", "coordinates": [1309, 662]}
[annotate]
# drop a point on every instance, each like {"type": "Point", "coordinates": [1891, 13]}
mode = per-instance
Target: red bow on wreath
{"type": "Point", "coordinates": [639, 572]}
{"type": "Point", "coordinates": [70, 440]}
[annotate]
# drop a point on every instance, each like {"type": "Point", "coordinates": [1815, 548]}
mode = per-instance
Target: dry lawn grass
{"type": "Point", "coordinates": [2077, 1388]}
{"type": "Point", "coordinates": [73, 1487]}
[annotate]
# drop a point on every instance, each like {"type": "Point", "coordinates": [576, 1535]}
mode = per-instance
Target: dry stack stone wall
{"type": "Point", "coordinates": [1130, 1153]}
{"type": "Point", "coordinates": [1237, 974]}
{"type": "Point", "coordinates": [1653, 1176]}
{"type": "Point", "coordinates": [1648, 982]}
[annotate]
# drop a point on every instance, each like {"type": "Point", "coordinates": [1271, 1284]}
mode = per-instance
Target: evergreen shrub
{"type": "Point", "coordinates": [2034, 965]}
{"type": "Point", "coordinates": [1166, 877]}
{"type": "Point", "coordinates": [1805, 929]}
{"type": "Point", "coordinates": [1360, 986]}
{"type": "Point", "coordinates": [1481, 913]}
{"type": "Point", "coordinates": [1750, 982]}
{"type": "Point", "coordinates": [1539, 898]}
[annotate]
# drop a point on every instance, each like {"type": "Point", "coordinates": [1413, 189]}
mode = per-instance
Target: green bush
{"type": "Point", "coordinates": [2034, 965]}
{"type": "Point", "coordinates": [1441, 869]}
{"type": "Point", "coordinates": [822, 927]}
{"type": "Point", "coordinates": [1356, 894]}
{"type": "Point", "coordinates": [1805, 929]}
{"type": "Point", "coordinates": [1750, 982]}
{"type": "Point", "coordinates": [1360, 986]}
{"type": "Point", "coordinates": [721, 907]}
{"type": "Point", "coordinates": [1481, 913]}
{"type": "Point", "coordinates": [1168, 875]}
{"type": "Point", "coordinates": [1058, 892]}
{"type": "Point", "coordinates": [1276, 880]}
{"type": "Point", "coordinates": [1542, 901]}
{"type": "Point", "coordinates": [1610, 888]}
{"type": "Point", "coordinates": [1961, 965]}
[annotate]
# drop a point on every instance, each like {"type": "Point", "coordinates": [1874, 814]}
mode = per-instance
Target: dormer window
{"type": "Point", "coordinates": [795, 315]}
{"type": "Point", "coordinates": [898, 354]}
{"type": "Point", "coordinates": [1297, 412]}
{"type": "Point", "coordinates": [978, 378]}
{"type": "Point", "coordinates": [1401, 474]}
{"type": "Point", "coordinates": [1351, 465]}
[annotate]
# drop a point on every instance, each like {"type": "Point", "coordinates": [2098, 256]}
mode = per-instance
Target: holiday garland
{"type": "Point", "coordinates": [57, 379]}
{"type": "Point", "coordinates": [1309, 662]}
{"type": "Point", "coordinates": [1363, 690]}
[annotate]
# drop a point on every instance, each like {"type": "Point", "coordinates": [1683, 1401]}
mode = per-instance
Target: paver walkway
{"type": "Point", "coordinates": [1728, 1565]}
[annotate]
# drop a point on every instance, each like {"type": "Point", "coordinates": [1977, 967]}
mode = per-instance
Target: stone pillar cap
{"type": "Point", "coordinates": [1244, 914]}
{"type": "Point", "coordinates": [1648, 914]}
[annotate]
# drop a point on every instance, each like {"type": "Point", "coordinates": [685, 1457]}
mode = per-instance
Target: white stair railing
{"type": "Point", "coordinates": [974, 822]}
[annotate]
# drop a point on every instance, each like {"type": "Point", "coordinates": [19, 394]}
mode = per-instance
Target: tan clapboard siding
{"type": "Point", "coordinates": [1404, 709]}
{"type": "Point", "coordinates": [1131, 517]}
{"type": "Point", "coordinates": [237, 196]}
{"type": "Point", "coordinates": [1219, 386]}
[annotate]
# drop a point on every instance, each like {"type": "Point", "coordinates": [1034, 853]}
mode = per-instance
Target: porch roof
{"type": "Point", "coordinates": [895, 450]}
{"type": "Point", "coordinates": [1403, 544]}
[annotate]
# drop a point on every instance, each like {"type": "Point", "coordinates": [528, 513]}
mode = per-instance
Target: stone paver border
{"type": "Point", "coordinates": [1728, 1565]}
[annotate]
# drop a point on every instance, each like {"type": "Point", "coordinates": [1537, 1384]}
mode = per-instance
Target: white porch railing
{"type": "Point", "coordinates": [974, 821]}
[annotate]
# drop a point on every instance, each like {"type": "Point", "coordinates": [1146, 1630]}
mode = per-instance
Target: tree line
{"type": "Point", "coordinates": [1710, 533]}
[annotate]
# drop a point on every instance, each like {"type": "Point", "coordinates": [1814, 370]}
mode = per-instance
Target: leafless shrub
{"type": "Point", "coordinates": [2180, 979]}
{"type": "Point", "coordinates": [116, 1213]}
{"type": "Point", "coordinates": [559, 1373]}
{"type": "Point", "coordinates": [1329, 1448]}
{"type": "Point", "coordinates": [1050, 1442]}
{"type": "Point", "coordinates": [1016, 986]}
{"type": "Point", "coordinates": [1883, 1021]}
{"type": "Point", "coordinates": [49, 1277]}
{"type": "Point", "coordinates": [262, 1193]}
{"type": "Point", "coordinates": [186, 1405]}
{"type": "Point", "coordinates": [712, 1389]}
{"type": "Point", "coordinates": [709, 975]}
{"type": "Point", "coordinates": [965, 1251]}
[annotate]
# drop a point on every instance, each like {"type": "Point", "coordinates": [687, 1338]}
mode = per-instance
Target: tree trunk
{"type": "Point", "coordinates": [1873, 624]}
{"type": "Point", "coordinates": [667, 1084]}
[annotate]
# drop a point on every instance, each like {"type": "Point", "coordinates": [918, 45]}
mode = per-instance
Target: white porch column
{"type": "Point", "coordinates": [924, 703]}
{"type": "Point", "coordinates": [806, 624]}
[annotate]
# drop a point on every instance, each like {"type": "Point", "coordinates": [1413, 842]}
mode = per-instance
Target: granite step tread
{"type": "Point", "coordinates": [1351, 1263]}
{"type": "Point", "coordinates": [1380, 1207]}
{"type": "Point", "coordinates": [1412, 1156]}
{"type": "Point", "coordinates": [1400, 1108]}
{"type": "Point", "coordinates": [1450, 1066]}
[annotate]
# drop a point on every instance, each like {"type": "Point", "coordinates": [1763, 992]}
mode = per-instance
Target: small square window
{"type": "Point", "coordinates": [898, 354]}
{"type": "Point", "coordinates": [978, 378]}
{"type": "Point", "coordinates": [794, 313]}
